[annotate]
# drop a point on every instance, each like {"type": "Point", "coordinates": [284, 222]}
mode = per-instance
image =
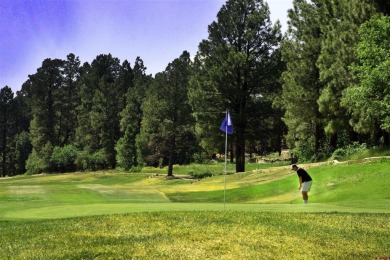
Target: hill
{"type": "Point", "coordinates": [359, 187]}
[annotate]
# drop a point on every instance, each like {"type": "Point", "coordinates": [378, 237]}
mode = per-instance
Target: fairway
{"type": "Point", "coordinates": [147, 216]}
{"type": "Point", "coordinates": [355, 188]}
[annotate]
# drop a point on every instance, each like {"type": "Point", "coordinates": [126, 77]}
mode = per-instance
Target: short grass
{"type": "Point", "coordinates": [116, 215]}
{"type": "Point", "coordinates": [200, 235]}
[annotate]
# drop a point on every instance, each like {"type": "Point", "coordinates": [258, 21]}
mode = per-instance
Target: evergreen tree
{"type": "Point", "coordinates": [6, 101]}
{"type": "Point", "coordinates": [368, 101]}
{"type": "Point", "coordinates": [21, 118]}
{"type": "Point", "coordinates": [167, 124]}
{"type": "Point", "coordinates": [69, 99]}
{"type": "Point", "coordinates": [132, 114]}
{"type": "Point", "coordinates": [44, 87]}
{"type": "Point", "coordinates": [301, 84]}
{"type": "Point", "coordinates": [340, 22]}
{"type": "Point", "coordinates": [234, 67]}
{"type": "Point", "coordinates": [98, 118]}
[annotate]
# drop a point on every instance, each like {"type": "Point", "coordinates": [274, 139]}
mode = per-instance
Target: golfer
{"type": "Point", "coordinates": [305, 181]}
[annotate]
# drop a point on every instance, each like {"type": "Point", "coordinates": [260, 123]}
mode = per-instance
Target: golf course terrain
{"type": "Point", "coordinates": [260, 215]}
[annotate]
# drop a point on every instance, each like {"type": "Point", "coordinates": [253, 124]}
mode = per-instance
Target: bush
{"type": "Point", "coordinates": [338, 154]}
{"type": "Point", "coordinates": [83, 160]}
{"type": "Point", "coordinates": [64, 158]}
{"type": "Point", "coordinates": [342, 153]}
{"type": "Point", "coordinates": [39, 162]}
{"type": "Point", "coordinates": [136, 169]}
{"type": "Point", "coordinates": [200, 175]}
{"type": "Point", "coordinates": [34, 163]}
{"type": "Point", "coordinates": [200, 158]}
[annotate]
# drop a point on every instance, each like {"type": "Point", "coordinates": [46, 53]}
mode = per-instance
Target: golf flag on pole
{"type": "Point", "coordinates": [227, 125]}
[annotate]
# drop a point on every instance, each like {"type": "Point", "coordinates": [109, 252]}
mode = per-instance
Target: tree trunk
{"type": "Point", "coordinates": [333, 141]}
{"type": "Point", "coordinates": [171, 154]}
{"type": "Point", "coordinates": [4, 144]}
{"type": "Point", "coordinates": [240, 153]}
{"type": "Point", "coordinates": [386, 139]}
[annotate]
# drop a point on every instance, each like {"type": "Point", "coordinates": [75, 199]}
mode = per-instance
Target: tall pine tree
{"type": "Point", "coordinates": [339, 23]}
{"type": "Point", "coordinates": [132, 114]}
{"type": "Point", "coordinates": [368, 100]}
{"type": "Point", "coordinates": [234, 67]}
{"type": "Point", "coordinates": [45, 87]}
{"type": "Point", "coordinates": [301, 85]}
{"type": "Point", "coordinates": [6, 101]}
{"type": "Point", "coordinates": [167, 125]}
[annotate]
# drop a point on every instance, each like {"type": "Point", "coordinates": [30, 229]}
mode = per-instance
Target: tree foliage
{"type": "Point", "coordinates": [167, 126]}
{"type": "Point", "coordinates": [132, 114]}
{"type": "Point", "coordinates": [319, 89]}
{"type": "Point", "coordinates": [369, 100]}
{"type": "Point", "coordinates": [338, 41]}
{"type": "Point", "coordinates": [301, 84]}
{"type": "Point", "coordinates": [234, 70]}
{"type": "Point", "coordinates": [319, 50]}
{"type": "Point", "coordinates": [6, 102]}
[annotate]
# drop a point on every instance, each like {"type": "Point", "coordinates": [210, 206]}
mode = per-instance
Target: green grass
{"type": "Point", "coordinates": [213, 168]}
{"type": "Point", "coordinates": [116, 215]}
{"type": "Point", "coordinates": [366, 153]}
{"type": "Point", "coordinates": [200, 235]}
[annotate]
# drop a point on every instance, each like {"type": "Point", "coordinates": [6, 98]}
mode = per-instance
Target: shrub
{"type": "Point", "coordinates": [342, 153]}
{"type": "Point", "coordinates": [34, 163]}
{"type": "Point", "coordinates": [39, 162]}
{"type": "Point", "coordinates": [136, 168]}
{"type": "Point", "coordinates": [63, 158]}
{"type": "Point", "coordinates": [338, 154]}
{"type": "Point", "coordinates": [201, 175]}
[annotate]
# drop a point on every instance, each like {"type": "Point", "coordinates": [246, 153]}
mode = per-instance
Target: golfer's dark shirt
{"type": "Point", "coordinates": [305, 176]}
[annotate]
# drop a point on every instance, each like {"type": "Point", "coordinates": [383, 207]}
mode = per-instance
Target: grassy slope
{"type": "Point", "coordinates": [350, 188]}
{"type": "Point", "coordinates": [363, 184]}
{"type": "Point", "coordinates": [264, 217]}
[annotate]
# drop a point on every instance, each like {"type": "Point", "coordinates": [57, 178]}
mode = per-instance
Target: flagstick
{"type": "Point", "coordinates": [224, 191]}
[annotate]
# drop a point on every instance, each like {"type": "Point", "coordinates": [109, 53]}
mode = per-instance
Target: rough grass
{"type": "Point", "coordinates": [200, 235]}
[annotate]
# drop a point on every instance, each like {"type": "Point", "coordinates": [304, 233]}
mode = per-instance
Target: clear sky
{"type": "Point", "coordinates": [156, 30]}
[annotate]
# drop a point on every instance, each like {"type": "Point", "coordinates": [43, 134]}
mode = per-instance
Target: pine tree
{"type": "Point", "coordinates": [132, 114]}
{"type": "Point", "coordinates": [234, 68]}
{"type": "Point", "coordinates": [167, 124]}
{"type": "Point", "coordinates": [6, 101]}
{"type": "Point", "coordinates": [69, 99]}
{"type": "Point", "coordinates": [98, 118]}
{"type": "Point", "coordinates": [301, 85]}
{"type": "Point", "coordinates": [368, 100]}
{"type": "Point", "coordinates": [340, 22]}
{"type": "Point", "coordinates": [45, 87]}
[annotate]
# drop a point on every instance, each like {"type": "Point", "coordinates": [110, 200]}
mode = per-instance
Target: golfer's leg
{"type": "Point", "coordinates": [305, 196]}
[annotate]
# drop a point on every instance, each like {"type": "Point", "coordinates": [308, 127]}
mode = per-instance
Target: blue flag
{"type": "Point", "coordinates": [227, 124]}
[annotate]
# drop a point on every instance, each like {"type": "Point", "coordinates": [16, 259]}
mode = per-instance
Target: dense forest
{"type": "Point", "coordinates": [323, 85]}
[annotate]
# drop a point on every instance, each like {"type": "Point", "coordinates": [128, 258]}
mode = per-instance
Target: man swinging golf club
{"type": "Point", "coordinates": [305, 181]}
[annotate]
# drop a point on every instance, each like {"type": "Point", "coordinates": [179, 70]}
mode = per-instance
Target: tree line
{"type": "Point", "coordinates": [322, 85]}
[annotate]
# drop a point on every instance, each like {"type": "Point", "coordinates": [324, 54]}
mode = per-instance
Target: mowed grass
{"type": "Point", "coordinates": [200, 235]}
{"type": "Point", "coordinates": [112, 215]}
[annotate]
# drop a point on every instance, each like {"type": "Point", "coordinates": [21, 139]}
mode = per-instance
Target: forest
{"type": "Point", "coordinates": [322, 85]}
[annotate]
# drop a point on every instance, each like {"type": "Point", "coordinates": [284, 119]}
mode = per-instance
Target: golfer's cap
{"type": "Point", "coordinates": [293, 166]}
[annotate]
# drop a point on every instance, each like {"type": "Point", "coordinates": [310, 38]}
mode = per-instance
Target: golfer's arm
{"type": "Point", "coordinates": [300, 181]}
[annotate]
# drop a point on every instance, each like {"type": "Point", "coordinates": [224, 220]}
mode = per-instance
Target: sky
{"type": "Point", "coordinates": [157, 31]}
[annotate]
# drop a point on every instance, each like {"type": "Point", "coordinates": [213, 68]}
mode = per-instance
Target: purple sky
{"type": "Point", "coordinates": [156, 30]}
